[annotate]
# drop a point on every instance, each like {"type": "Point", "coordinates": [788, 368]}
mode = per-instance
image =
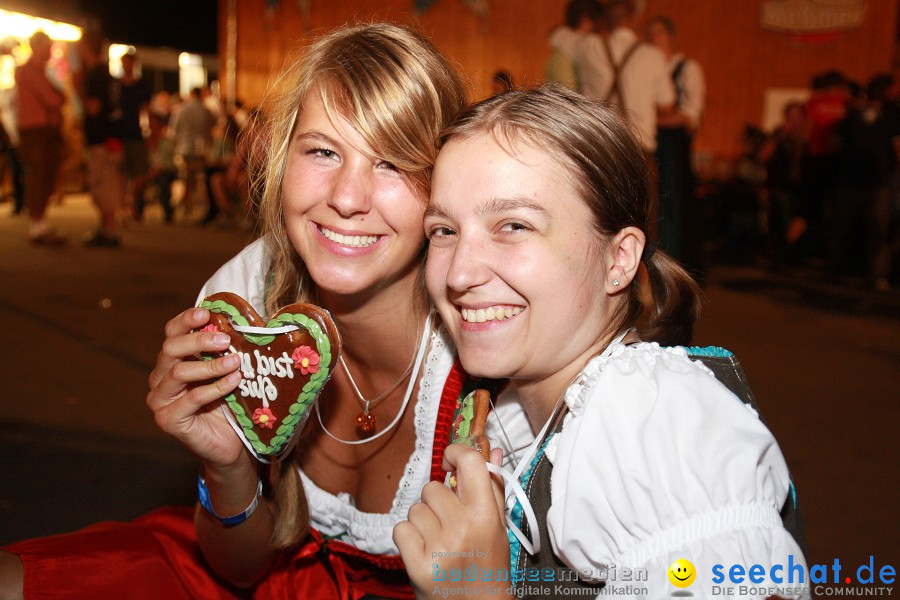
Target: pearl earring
{"type": "Point", "coordinates": [615, 282]}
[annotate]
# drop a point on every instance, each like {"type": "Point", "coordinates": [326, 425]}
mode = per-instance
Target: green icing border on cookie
{"type": "Point", "coordinates": [311, 389]}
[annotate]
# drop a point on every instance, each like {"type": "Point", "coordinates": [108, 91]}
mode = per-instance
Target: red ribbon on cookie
{"type": "Point", "coordinates": [283, 371]}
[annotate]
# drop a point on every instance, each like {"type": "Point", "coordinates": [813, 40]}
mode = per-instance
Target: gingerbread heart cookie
{"type": "Point", "coordinates": [283, 372]}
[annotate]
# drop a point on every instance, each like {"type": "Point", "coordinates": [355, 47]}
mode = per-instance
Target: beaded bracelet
{"type": "Point", "coordinates": [237, 519]}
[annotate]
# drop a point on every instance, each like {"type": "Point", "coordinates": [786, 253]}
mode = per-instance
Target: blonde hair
{"type": "Point", "coordinates": [608, 168]}
{"type": "Point", "coordinates": [395, 89]}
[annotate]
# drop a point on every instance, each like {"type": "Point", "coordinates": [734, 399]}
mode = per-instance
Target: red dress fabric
{"type": "Point", "coordinates": [156, 556]}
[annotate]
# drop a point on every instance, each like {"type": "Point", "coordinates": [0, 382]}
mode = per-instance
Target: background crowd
{"type": "Point", "coordinates": [821, 192]}
{"type": "Point", "coordinates": [134, 145]}
{"type": "Point", "coordinates": [824, 186]}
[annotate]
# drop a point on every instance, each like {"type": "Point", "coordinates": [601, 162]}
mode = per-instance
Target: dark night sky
{"type": "Point", "coordinates": [189, 25]}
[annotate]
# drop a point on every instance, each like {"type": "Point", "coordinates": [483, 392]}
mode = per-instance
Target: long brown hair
{"type": "Point", "coordinates": [607, 164]}
{"type": "Point", "coordinates": [398, 92]}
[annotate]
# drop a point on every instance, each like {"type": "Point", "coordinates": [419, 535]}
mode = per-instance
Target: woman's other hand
{"type": "Point", "coordinates": [458, 540]}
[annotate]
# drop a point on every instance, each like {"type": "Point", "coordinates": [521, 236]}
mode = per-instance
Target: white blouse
{"type": "Point", "coordinates": [656, 461]}
{"type": "Point", "coordinates": [337, 515]}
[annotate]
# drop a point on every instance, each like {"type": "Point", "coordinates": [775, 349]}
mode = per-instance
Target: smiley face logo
{"type": "Point", "coordinates": [682, 573]}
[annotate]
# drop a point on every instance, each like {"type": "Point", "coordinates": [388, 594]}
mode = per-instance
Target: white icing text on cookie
{"type": "Point", "coordinates": [257, 383]}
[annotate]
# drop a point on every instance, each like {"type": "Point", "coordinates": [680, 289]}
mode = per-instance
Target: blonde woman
{"type": "Point", "coordinates": [348, 150]}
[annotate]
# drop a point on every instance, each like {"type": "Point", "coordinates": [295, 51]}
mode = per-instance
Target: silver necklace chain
{"type": "Point", "coordinates": [367, 404]}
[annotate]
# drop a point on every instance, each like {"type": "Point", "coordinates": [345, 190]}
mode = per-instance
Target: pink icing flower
{"type": "Point", "coordinates": [306, 359]}
{"type": "Point", "coordinates": [264, 417]}
{"type": "Point", "coordinates": [210, 327]}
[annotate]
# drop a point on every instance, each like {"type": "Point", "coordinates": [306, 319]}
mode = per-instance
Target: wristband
{"type": "Point", "coordinates": [237, 519]}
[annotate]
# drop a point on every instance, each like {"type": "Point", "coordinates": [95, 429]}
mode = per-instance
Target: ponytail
{"type": "Point", "coordinates": [671, 304]}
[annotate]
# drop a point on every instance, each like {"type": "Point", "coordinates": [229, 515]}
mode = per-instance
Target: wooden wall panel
{"type": "Point", "coordinates": [741, 59]}
{"type": "Point", "coordinates": [512, 36]}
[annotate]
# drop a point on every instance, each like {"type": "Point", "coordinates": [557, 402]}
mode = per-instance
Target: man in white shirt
{"type": "Point", "coordinates": [581, 16]}
{"type": "Point", "coordinates": [686, 74]}
{"type": "Point", "coordinates": [40, 140]}
{"type": "Point", "coordinates": [616, 67]}
{"type": "Point", "coordinates": [678, 223]}
{"type": "Point", "coordinates": [193, 128]}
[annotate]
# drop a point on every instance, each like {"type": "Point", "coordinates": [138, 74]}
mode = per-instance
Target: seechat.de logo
{"type": "Point", "coordinates": [792, 579]}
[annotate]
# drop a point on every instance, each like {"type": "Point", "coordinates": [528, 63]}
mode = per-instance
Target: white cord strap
{"type": "Point", "coordinates": [533, 545]}
{"type": "Point", "coordinates": [514, 488]}
{"type": "Point", "coordinates": [264, 330]}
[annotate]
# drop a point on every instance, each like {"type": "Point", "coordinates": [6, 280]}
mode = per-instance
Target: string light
{"type": "Point", "coordinates": [18, 25]}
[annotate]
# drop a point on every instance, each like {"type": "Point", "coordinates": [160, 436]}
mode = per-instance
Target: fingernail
{"type": "Point", "coordinates": [199, 313]}
{"type": "Point", "coordinates": [220, 339]}
{"type": "Point", "coordinates": [233, 377]}
{"type": "Point", "coordinates": [232, 360]}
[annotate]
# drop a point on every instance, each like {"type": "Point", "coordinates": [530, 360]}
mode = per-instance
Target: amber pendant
{"type": "Point", "coordinates": [365, 423]}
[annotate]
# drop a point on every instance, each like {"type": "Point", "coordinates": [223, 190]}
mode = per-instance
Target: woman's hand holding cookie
{"type": "Point", "coordinates": [183, 392]}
